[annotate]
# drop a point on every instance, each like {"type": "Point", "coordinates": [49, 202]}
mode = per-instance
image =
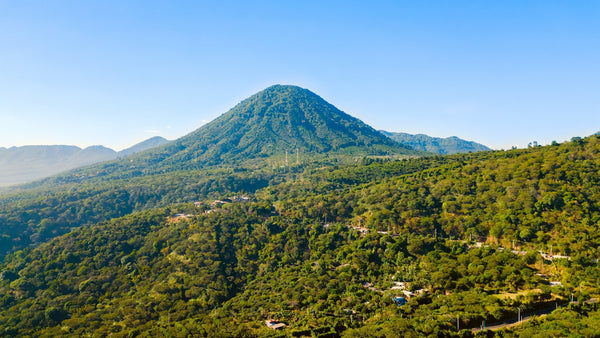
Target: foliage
{"type": "Point", "coordinates": [321, 247]}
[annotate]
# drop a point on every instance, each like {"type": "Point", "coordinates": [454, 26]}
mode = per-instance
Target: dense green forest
{"type": "Point", "coordinates": [287, 217]}
{"type": "Point", "coordinates": [324, 247]}
{"type": "Point", "coordinates": [59, 204]}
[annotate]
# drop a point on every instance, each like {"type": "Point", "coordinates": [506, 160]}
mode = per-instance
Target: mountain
{"type": "Point", "coordinates": [144, 145]}
{"type": "Point", "coordinates": [29, 163]}
{"type": "Point", "coordinates": [290, 118]}
{"type": "Point", "coordinates": [444, 146]}
{"type": "Point", "coordinates": [263, 127]}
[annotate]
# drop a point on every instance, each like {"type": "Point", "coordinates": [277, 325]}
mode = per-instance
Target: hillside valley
{"type": "Point", "coordinates": [286, 217]}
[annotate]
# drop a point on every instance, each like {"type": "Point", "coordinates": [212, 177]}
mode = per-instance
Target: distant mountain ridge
{"type": "Point", "coordinates": [438, 145]}
{"type": "Point", "coordinates": [28, 163]}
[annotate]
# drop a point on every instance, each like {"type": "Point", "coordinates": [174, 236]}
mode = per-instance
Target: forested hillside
{"type": "Point", "coordinates": [546, 196]}
{"type": "Point", "coordinates": [329, 250]}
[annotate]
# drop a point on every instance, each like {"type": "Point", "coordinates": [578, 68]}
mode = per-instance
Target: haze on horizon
{"type": "Point", "coordinates": [113, 73]}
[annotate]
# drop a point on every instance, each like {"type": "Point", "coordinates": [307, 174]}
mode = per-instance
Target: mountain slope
{"type": "Point", "coordinates": [444, 146]}
{"type": "Point", "coordinates": [288, 117]}
{"type": "Point", "coordinates": [270, 122]}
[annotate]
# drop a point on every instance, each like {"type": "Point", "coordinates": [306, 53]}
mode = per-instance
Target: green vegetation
{"type": "Point", "coordinates": [327, 247]}
{"type": "Point", "coordinates": [574, 321]}
{"type": "Point", "coordinates": [240, 266]}
{"type": "Point", "coordinates": [298, 253]}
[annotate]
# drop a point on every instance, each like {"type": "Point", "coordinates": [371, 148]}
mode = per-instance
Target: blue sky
{"type": "Point", "coordinates": [501, 73]}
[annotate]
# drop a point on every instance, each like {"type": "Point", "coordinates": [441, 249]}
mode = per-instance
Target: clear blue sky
{"type": "Point", "coordinates": [501, 73]}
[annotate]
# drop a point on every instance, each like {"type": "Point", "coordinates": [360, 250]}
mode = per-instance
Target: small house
{"type": "Point", "coordinates": [274, 324]}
